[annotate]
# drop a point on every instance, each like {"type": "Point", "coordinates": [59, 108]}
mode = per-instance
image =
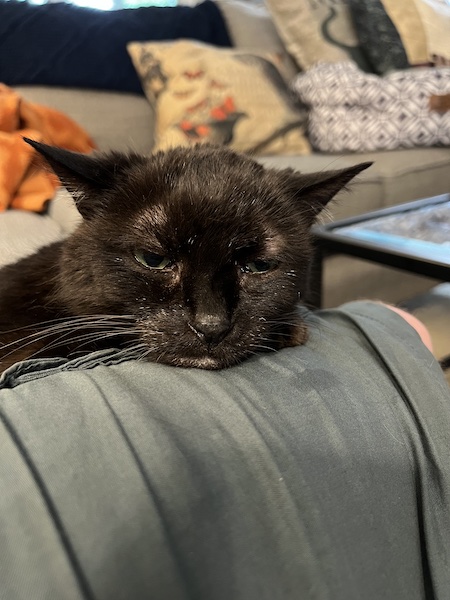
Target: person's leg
{"type": "Point", "coordinates": [415, 323]}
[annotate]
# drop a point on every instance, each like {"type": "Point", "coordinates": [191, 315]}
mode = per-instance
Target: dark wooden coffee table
{"type": "Point", "coordinates": [414, 237]}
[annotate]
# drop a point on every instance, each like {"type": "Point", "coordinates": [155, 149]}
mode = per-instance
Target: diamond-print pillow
{"type": "Point", "coordinates": [359, 112]}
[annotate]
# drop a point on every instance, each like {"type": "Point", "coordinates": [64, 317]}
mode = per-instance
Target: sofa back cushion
{"type": "Point", "coordinates": [72, 46]}
{"type": "Point", "coordinates": [116, 121]}
{"type": "Point", "coordinates": [251, 28]}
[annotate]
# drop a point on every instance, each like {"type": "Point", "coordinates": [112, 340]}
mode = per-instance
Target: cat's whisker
{"type": "Point", "coordinates": [68, 320]}
{"type": "Point", "coordinates": [38, 336]}
{"type": "Point", "coordinates": [52, 345]}
{"type": "Point", "coordinates": [94, 337]}
{"type": "Point", "coordinates": [144, 354]}
{"type": "Point", "coordinates": [65, 328]}
{"type": "Point", "coordinates": [89, 338]}
{"type": "Point", "coordinates": [262, 347]}
{"type": "Point", "coordinates": [21, 347]}
{"type": "Point", "coordinates": [130, 351]}
{"type": "Point", "coordinates": [133, 345]}
{"type": "Point", "coordinates": [277, 334]}
{"type": "Point", "coordinates": [108, 334]}
{"type": "Point", "coordinates": [160, 356]}
{"type": "Point", "coordinates": [31, 339]}
{"type": "Point", "coordinates": [281, 324]}
{"type": "Point", "coordinates": [270, 340]}
{"type": "Point", "coordinates": [35, 338]}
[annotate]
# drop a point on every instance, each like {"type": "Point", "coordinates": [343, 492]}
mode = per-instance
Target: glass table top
{"type": "Point", "coordinates": [426, 228]}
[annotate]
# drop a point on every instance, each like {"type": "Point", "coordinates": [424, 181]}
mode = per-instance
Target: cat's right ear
{"type": "Point", "coordinates": [314, 190]}
{"type": "Point", "coordinates": [86, 177]}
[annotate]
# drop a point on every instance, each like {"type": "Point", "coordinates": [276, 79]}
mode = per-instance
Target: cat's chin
{"type": "Point", "coordinates": [192, 355]}
{"type": "Point", "coordinates": [207, 362]}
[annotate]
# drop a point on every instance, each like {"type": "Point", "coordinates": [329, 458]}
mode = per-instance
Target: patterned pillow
{"type": "Point", "coordinates": [205, 94]}
{"type": "Point", "coordinates": [359, 112]}
{"type": "Point", "coordinates": [315, 31]}
{"type": "Point", "coordinates": [391, 33]}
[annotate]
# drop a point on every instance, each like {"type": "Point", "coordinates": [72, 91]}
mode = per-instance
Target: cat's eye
{"type": "Point", "coordinates": [151, 260]}
{"type": "Point", "coordinates": [259, 266]}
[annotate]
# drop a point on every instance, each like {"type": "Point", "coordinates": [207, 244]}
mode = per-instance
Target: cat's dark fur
{"type": "Point", "coordinates": [213, 216]}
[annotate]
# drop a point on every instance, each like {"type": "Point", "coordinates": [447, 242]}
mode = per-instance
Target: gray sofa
{"type": "Point", "coordinates": [125, 121]}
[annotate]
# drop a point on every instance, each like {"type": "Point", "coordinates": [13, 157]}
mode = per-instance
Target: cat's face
{"type": "Point", "coordinates": [206, 249]}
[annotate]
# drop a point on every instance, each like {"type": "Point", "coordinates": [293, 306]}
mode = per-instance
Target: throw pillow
{"type": "Point", "coordinates": [205, 94]}
{"type": "Point", "coordinates": [391, 33]}
{"type": "Point", "coordinates": [72, 46]}
{"type": "Point", "coordinates": [435, 16]}
{"type": "Point", "coordinates": [360, 112]}
{"type": "Point", "coordinates": [317, 31]}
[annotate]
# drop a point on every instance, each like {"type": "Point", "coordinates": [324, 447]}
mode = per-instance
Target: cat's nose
{"type": "Point", "coordinates": [210, 329]}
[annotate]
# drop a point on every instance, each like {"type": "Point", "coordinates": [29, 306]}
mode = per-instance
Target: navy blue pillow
{"type": "Point", "coordinates": [71, 46]}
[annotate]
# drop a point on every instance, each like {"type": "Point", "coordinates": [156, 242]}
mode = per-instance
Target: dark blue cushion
{"type": "Point", "coordinates": [71, 46]}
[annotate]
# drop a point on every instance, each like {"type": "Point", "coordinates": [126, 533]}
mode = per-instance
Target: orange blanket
{"type": "Point", "coordinates": [22, 186]}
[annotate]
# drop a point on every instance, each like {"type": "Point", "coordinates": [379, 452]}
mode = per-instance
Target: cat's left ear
{"type": "Point", "coordinates": [86, 176]}
{"type": "Point", "coordinates": [315, 190]}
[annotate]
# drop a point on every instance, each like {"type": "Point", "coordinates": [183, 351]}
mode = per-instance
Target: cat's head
{"type": "Point", "coordinates": [205, 248]}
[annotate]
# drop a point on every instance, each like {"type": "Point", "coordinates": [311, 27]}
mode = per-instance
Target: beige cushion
{"type": "Point", "coordinates": [316, 31]}
{"type": "Point", "coordinates": [206, 94]}
{"type": "Point", "coordinates": [396, 176]}
{"type": "Point", "coordinates": [23, 232]}
{"type": "Point", "coordinates": [115, 120]}
{"type": "Point", "coordinates": [63, 211]}
{"type": "Point", "coordinates": [435, 15]}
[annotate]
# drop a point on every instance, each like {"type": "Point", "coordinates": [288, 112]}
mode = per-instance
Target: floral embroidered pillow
{"type": "Point", "coordinates": [204, 94]}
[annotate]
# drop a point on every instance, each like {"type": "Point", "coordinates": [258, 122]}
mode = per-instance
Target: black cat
{"type": "Point", "coordinates": [194, 257]}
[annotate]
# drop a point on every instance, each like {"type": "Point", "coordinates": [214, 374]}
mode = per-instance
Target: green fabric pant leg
{"type": "Point", "coordinates": [319, 472]}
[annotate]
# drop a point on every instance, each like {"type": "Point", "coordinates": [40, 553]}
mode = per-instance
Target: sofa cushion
{"type": "Point", "coordinates": [66, 45]}
{"type": "Point", "coordinates": [435, 16]}
{"type": "Point", "coordinates": [396, 176]}
{"type": "Point", "coordinates": [23, 232]}
{"type": "Point", "coordinates": [207, 94]}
